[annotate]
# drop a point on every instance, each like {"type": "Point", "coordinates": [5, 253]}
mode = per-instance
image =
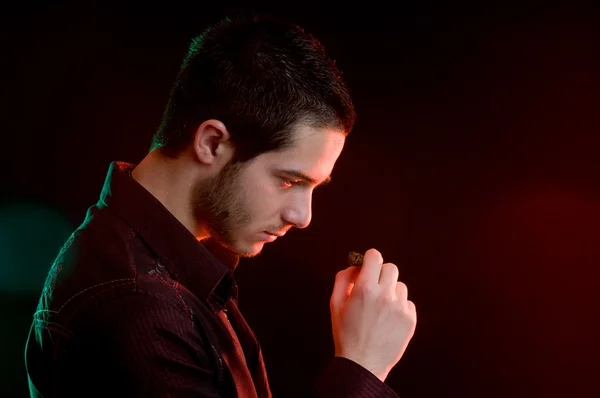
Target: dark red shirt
{"type": "Point", "coordinates": [135, 306]}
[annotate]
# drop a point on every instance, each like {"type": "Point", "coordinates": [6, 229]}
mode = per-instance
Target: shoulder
{"type": "Point", "coordinates": [102, 257]}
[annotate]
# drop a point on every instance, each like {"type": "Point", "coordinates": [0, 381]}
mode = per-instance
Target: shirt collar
{"type": "Point", "coordinates": [206, 268]}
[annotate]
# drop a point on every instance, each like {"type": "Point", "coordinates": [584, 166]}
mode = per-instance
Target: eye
{"type": "Point", "coordinates": [286, 183]}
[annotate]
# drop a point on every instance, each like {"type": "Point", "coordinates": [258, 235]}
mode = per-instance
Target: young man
{"type": "Point", "coordinates": [141, 302]}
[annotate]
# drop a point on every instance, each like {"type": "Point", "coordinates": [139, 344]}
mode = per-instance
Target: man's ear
{"type": "Point", "coordinates": [212, 143]}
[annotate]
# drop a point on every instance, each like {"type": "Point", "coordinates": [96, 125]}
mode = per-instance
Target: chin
{"type": "Point", "coordinates": [244, 248]}
{"type": "Point", "coordinates": [250, 250]}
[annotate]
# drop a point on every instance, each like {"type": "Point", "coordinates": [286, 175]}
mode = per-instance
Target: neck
{"type": "Point", "coordinates": [169, 181]}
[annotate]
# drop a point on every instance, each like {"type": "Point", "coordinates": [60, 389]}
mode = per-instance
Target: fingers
{"type": "Point", "coordinates": [412, 309]}
{"type": "Point", "coordinates": [402, 295]}
{"type": "Point", "coordinates": [372, 273]}
{"type": "Point", "coordinates": [371, 268]}
{"type": "Point", "coordinates": [401, 291]}
{"type": "Point", "coordinates": [388, 278]}
{"type": "Point", "coordinates": [344, 282]}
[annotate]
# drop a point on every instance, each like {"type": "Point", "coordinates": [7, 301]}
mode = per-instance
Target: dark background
{"type": "Point", "coordinates": [474, 166]}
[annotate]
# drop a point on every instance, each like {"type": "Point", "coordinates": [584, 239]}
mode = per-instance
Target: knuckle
{"type": "Point", "coordinates": [401, 287]}
{"type": "Point", "coordinates": [401, 290]}
{"type": "Point", "coordinates": [413, 319]}
{"type": "Point", "coordinates": [411, 306]}
{"type": "Point", "coordinates": [406, 314]}
{"type": "Point", "coordinates": [367, 291]}
{"type": "Point", "coordinates": [391, 267]}
{"type": "Point", "coordinates": [399, 312]}
{"type": "Point", "coordinates": [375, 254]}
{"type": "Point", "coordinates": [410, 312]}
{"type": "Point", "coordinates": [387, 300]}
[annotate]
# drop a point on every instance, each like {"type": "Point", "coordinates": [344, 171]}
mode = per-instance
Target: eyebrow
{"type": "Point", "coordinates": [304, 177]}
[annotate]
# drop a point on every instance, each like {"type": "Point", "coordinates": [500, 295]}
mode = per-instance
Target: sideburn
{"type": "Point", "coordinates": [217, 202]}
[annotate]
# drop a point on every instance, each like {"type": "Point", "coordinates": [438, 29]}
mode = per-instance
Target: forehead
{"type": "Point", "coordinates": [314, 152]}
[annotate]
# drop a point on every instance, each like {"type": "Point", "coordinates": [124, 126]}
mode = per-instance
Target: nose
{"type": "Point", "coordinates": [299, 211]}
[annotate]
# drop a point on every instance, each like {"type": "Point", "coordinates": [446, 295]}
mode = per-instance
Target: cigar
{"type": "Point", "coordinates": [355, 258]}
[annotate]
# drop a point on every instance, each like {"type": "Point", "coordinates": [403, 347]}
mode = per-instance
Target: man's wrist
{"type": "Point", "coordinates": [381, 374]}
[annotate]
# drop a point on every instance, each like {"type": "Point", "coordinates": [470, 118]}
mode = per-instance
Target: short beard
{"type": "Point", "coordinates": [219, 204]}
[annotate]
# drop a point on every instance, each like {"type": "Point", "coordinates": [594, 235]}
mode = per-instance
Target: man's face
{"type": "Point", "coordinates": [247, 205]}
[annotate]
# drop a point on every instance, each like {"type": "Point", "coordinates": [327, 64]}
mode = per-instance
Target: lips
{"type": "Point", "coordinates": [268, 237]}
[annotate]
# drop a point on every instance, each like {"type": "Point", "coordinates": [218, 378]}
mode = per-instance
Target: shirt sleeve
{"type": "Point", "coordinates": [139, 346]}
{"type": "Point", "coordinates": [344, 378]}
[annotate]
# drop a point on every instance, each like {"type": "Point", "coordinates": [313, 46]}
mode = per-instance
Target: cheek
{"type": "Point", "coordinates": [263, 201]}
{"type": "Point", "coordinates": [258, 199]}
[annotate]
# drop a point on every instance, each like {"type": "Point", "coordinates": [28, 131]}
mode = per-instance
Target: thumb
{"type": "Point", "coordinates": [344, 282]}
